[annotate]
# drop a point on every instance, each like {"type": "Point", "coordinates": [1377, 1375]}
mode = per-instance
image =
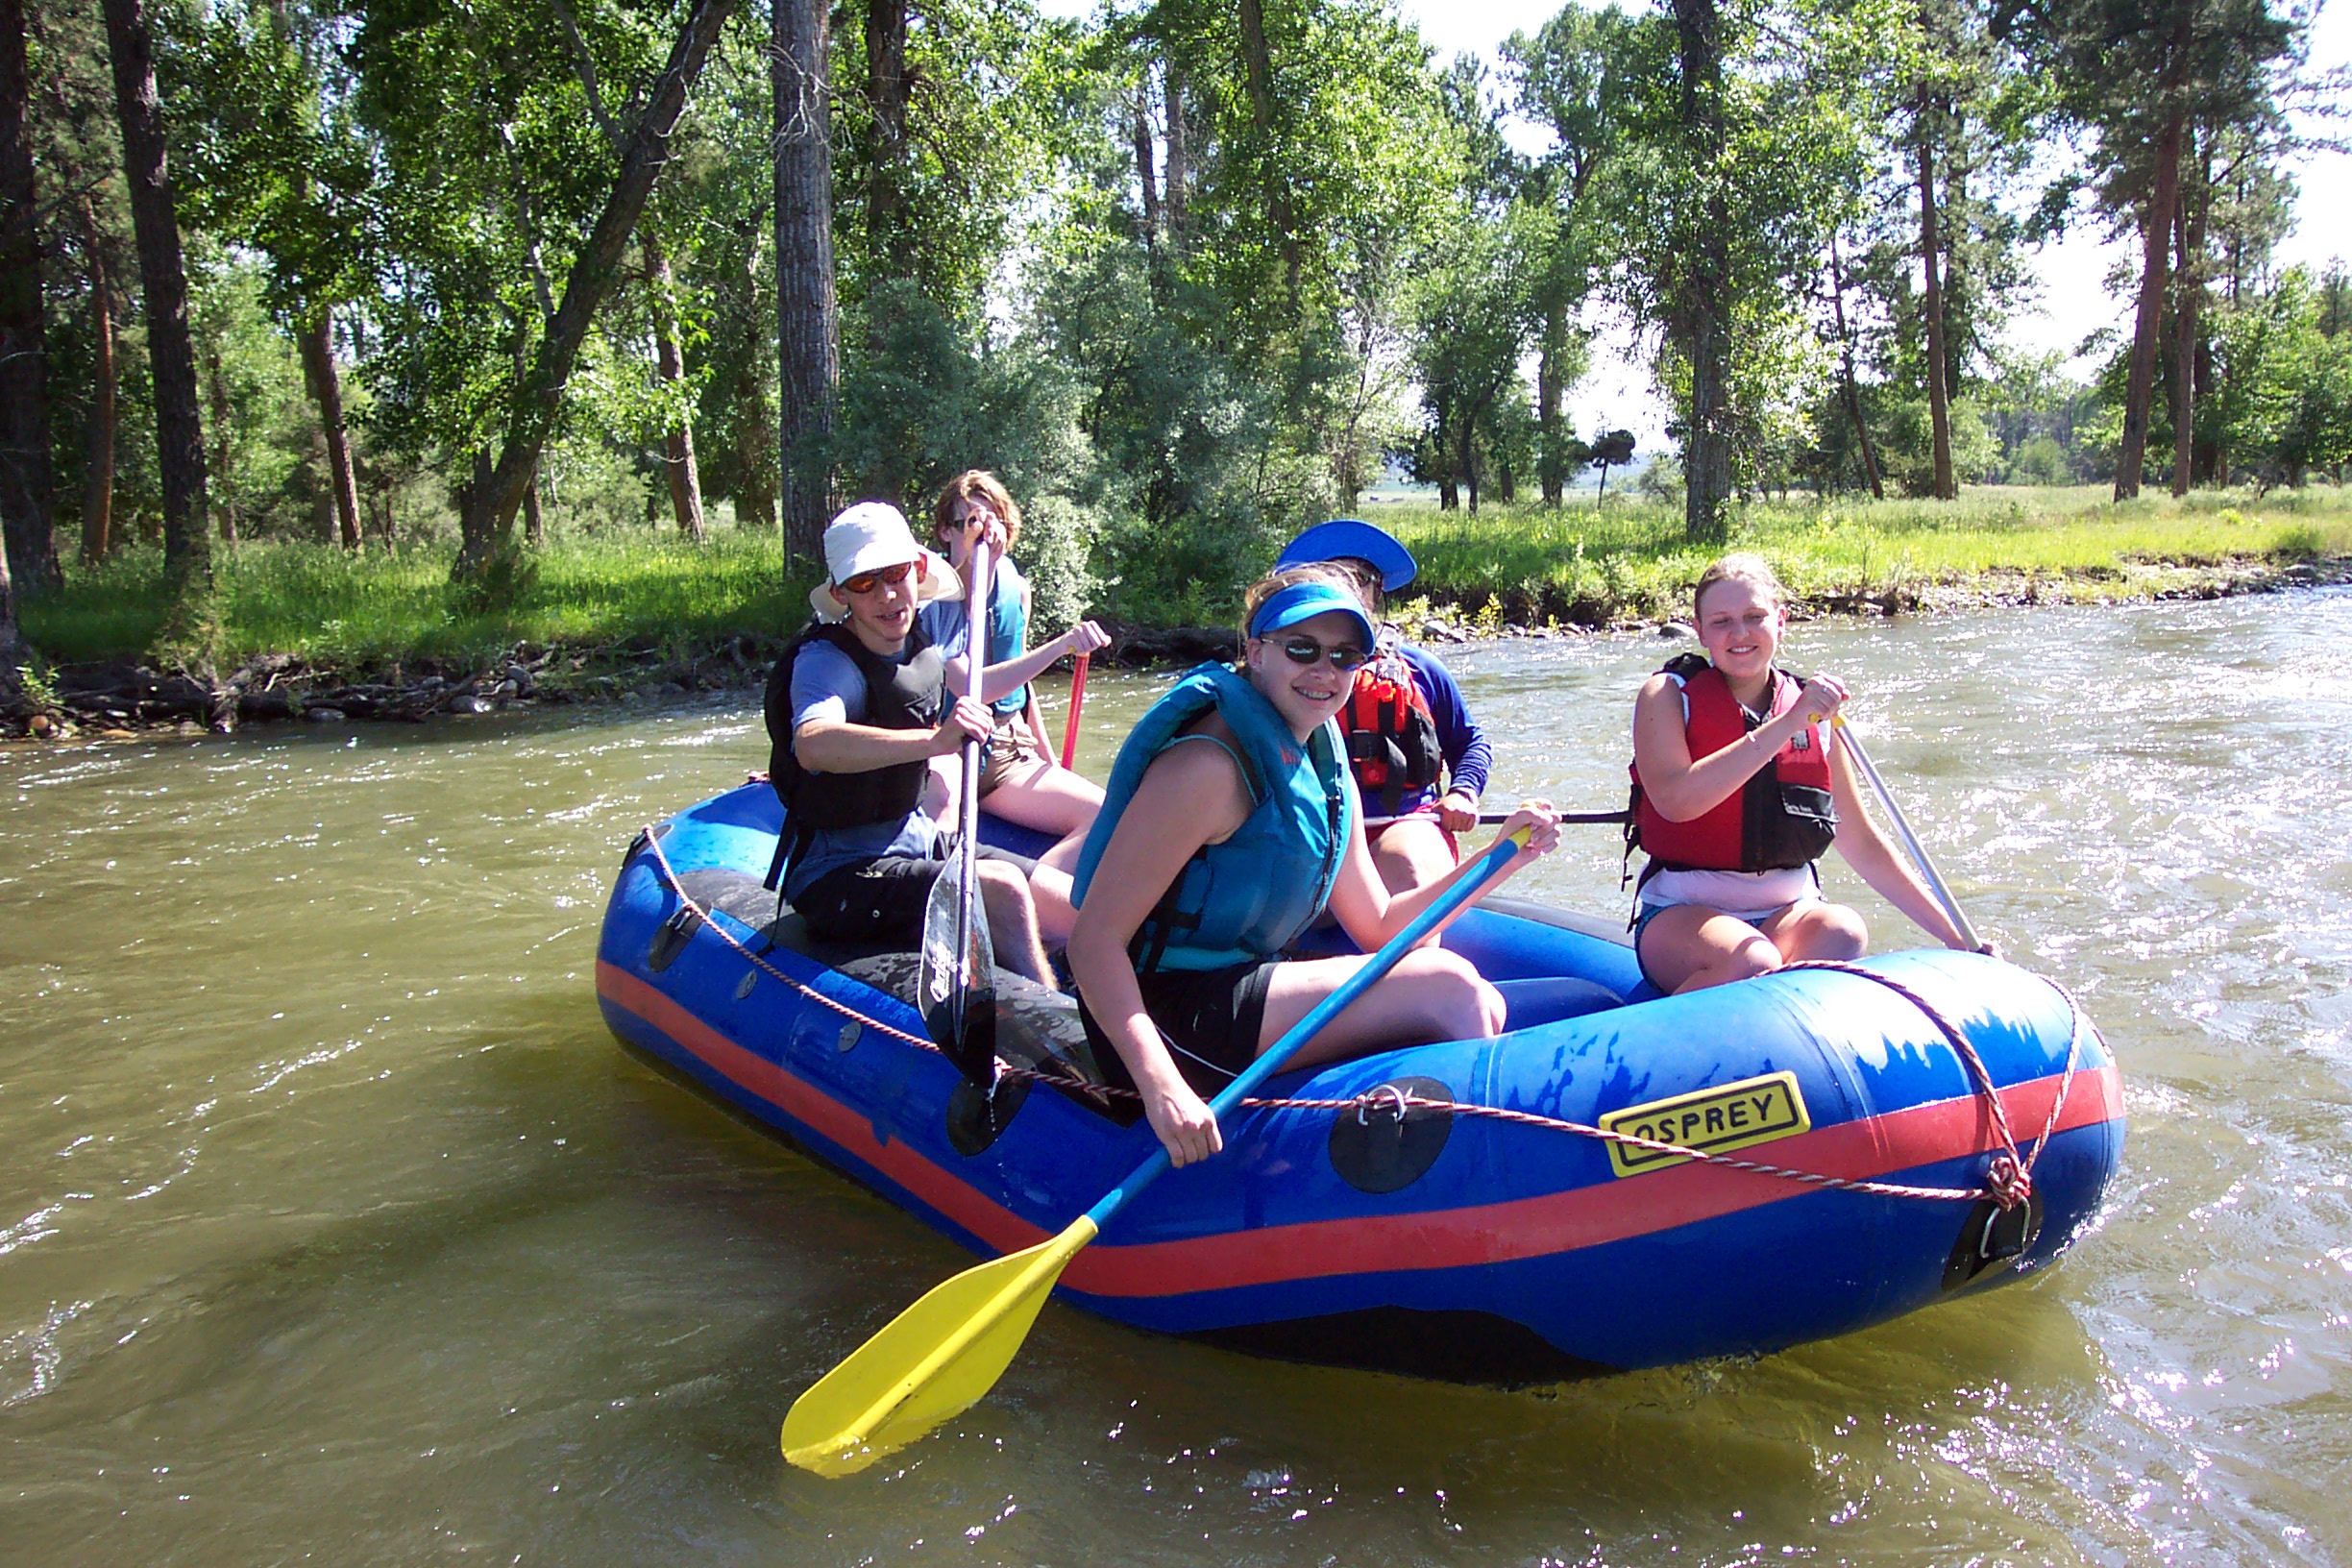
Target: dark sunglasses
{"type": "Point", "coordinates": [866, 582]}
{"type": "Point", "coordinates": [1306, 650]}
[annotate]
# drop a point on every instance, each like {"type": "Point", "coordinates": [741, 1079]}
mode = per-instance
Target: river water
{"type": "Point", "coordinates": [334, 1225]}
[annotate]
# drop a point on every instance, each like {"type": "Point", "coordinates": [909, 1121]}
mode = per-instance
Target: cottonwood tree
{"type": "Point", "coordinates": [272, 163]}
{"type": "Point", "coordinates": [187, 551]}
{"type": "Point", "coordinates": [1742, 153]}
{"type": "Point", "coordinates": [26, 484]}
{"type": "Point", "coordinates": [1568, 77]}
{"type": "Point", "coordinates": [2139, 77]}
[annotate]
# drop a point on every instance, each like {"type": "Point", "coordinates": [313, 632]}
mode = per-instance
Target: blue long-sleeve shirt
{"type": "Point", "coordinates": [1460, 740]}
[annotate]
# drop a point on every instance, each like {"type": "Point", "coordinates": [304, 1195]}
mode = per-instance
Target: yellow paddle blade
{"type": "Point", "coordinates": [928, 1363]}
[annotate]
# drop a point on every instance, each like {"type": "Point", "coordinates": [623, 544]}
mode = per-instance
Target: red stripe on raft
{"type": "Point", "coordinates": [1613, 1211]}
{"type": "Point", "coordinates": [1467, 1238]}
{"type": "Point", "coordinates": [810, 1105]}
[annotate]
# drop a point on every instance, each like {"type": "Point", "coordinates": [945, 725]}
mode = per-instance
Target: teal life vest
{"type": "Point", "coordinates": [1250, 897]}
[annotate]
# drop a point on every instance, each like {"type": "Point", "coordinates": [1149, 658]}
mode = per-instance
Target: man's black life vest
{"type": "Point", "coordinates": [1783, 815]}
{"type": "Point", "coordinates": [1391, 738]}
{"type": "Point", "coordinates": [909, 694]}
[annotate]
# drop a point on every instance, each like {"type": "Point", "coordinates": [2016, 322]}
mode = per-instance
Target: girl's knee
{"type": "Point", "coordinates": [1751, 958]}
{"type": "Point", "coordinates": [1835, 932]}
{"type": "Point", "coordinates": [1461, 1004]}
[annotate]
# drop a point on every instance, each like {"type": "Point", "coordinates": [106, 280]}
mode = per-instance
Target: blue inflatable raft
{"type": "Point", "coordinates": [1607, 1185]}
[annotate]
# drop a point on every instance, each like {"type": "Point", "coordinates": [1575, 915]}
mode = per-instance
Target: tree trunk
{"type": "Point", "coordinates": [808, 323]}
{"type": "Point", "coordinates": [1258, 73]}
{"type": "Point", "coordinates": [677, 443]}
{"type": "Point", "coordinates": [1179, 162]}
{"type": "Point", "coordinates": [1551, 469]}
{"type": "Point", "coordinates": [885, 96]}
{"type": "Point", "coordinates": [1853, 393]}
{"type": "Point", "coordinates": [224, 512]}
{"type": "Point", "coordinates": [488, 524]}
{"type": "Point", "coordinates": [1707, 288]}
{"type": "Point", "coordinates": [1139, 135]}
{"type": "Point", "coordinates": [2189, 294]}
{"type": "Point", "coordinates": [2155, 247]}
{"type": "Point", "coordinates": [534, 515]}
{"type": "Point", "coordinates": [171, 353]}
{"type": "Point", "coordinates": [316, 338]}
{"type": "Point", "coordinates": [1931, 253]}
{"type": "Point", "coordinates": [11, 641]}
{"type": "Point", "coordinates": [98, 438]}
{"type": "Point", "coordinates": [27, 484]}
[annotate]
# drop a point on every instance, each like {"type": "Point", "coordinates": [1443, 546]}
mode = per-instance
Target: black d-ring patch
{"type": "Point", "coordinates": [669, 939]}
{"type": "Point", "coordinates": [1375, 1149]}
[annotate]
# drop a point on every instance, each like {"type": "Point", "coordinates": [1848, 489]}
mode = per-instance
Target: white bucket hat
{"type": "Point", "coordinates": [868, 537]}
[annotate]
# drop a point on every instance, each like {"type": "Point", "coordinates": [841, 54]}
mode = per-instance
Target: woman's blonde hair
{"type": "Point", "coordinates": [1740, 566]}
{"type": "Point", "coordinates": [980, 484]}
{"type": "Point", "coordinates": [1274, 582]}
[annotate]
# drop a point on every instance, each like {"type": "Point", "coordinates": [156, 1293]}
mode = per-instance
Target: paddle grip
{"type": "Point", "coordinates": [1069, 733]}
{"type": "Point", "coordinates": [1277, 1056]}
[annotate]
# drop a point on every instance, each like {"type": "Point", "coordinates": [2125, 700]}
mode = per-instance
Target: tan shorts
{"type": "Point", "coordinates": [1011, 749]}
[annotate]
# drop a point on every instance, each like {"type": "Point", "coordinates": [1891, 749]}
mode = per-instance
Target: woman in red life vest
{"type": "Point", "coordinates": [1738, 791]}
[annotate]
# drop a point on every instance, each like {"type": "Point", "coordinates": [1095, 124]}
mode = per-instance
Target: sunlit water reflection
{"type": "Point", "coordinates": [333, 1224]}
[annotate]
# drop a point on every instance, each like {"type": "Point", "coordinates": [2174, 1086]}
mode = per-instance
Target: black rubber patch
{"type": "Point", "coordinates": [1456, 1346]}
{"type": "Point", "coordinates": [1992, 1238]}
{"type": "Point", "coordinates": [640, 841]}
{"type": "Point", "coordinates": [1375, 1150]}
{"type": "Point", "coordinates": [671, 937]}
{"type": "Point", "coordinates": [978, 1116]}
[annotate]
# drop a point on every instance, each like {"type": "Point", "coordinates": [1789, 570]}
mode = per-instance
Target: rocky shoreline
{"type": "Point", "coordinates": [120, 700]}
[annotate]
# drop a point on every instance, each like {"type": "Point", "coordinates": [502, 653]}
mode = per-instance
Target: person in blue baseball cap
{"type": "Point", "coordinates": [1420, 759]}
{"type": "Point", "coordinates": [1231, 824]}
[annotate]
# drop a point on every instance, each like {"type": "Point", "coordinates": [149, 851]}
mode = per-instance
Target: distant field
{"type": "Point", "coordinates": [1628, 557]}
{"type": "Point", "coordinates": [1587, 563]}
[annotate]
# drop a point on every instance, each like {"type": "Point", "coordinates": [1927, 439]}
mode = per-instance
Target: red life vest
{"type": "Point", "coordinates": [1392, 735]}
{"type": "Point", "coordinates": [1783, 815]}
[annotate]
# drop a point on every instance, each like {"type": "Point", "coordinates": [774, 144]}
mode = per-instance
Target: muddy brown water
{"type": "Point", "coordinates": [335, 1226]}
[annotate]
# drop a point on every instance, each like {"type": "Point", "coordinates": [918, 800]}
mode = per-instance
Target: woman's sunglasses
{"type": "Point", "coordinates": [866, 582]}
{"type": "Point", "coordinates": [1306, 650]}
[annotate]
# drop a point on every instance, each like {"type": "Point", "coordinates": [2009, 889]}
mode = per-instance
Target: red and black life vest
{"type": "Point", "coordinates": [1391, 737]}
{"type": "Point", "coordinates": [1783, 815]}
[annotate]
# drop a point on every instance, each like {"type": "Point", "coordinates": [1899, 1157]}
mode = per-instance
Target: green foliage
{"type": "Point", "coordinates": [371, 612]}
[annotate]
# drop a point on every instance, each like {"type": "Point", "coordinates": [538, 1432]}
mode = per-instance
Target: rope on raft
{"type": "Point", "coordinates": [2008, 1176]}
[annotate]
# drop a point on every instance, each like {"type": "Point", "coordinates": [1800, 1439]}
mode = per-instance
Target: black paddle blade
{"type": "Point", "coordinates": [960, 1018]}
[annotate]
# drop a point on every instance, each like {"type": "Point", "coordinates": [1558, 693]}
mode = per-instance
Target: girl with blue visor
{"type": "Point", "coordinates": [1231, 824]}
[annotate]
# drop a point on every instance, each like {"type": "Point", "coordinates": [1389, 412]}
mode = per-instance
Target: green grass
{"type": "Point", "coordinates": [1595, 563]}
{"type": "Point", "coordinates": [649, 590]}
{"type": "Point", "coordinates": [367, 612]}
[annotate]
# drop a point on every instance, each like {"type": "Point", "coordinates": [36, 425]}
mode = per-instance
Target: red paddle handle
{"type": "Point", "coordinates": [1069, 733]}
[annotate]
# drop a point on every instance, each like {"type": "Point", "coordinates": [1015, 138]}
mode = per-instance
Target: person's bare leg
{"type": "Point", "coordinates": [1431, 994]}
{"type": "Point", "coordinates": [1690, 947]}
{"type": "Point", "coordinates": [1049, 889]}
{"type": "Point", "coordinates": [1048, 798]}
{"type": "Point", "coordinates": [1412, 853]}
{"type": "Point", "coordinates": [1819, 930]}
{"type": "Point", "coordinates": [1013, 924]}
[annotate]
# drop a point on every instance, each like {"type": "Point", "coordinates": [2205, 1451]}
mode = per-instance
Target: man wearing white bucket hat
{"type": "Point", "coordinates": [856, 710]}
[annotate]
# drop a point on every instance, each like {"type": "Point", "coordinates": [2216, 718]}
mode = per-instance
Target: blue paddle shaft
{"type": "Point", "coordinates": [1275, 1057]}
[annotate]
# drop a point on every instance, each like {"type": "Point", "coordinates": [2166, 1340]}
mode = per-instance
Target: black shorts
{"type": "Point", "coordinates": [1209, 1018]}
{"type": "Point", "coordinates": [883, 900]}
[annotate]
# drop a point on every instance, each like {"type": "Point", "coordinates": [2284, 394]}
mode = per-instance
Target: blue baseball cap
{"type": "Point", "coordinates": [1304, 601]}
{"type": "Point", "coordinates": [1347, 537]}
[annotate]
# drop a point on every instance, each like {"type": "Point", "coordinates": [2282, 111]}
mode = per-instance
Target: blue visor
{"type": "Point", "coordinates": [1304, 601]}
{"type": "Point", "coordinates": [1346, 538]}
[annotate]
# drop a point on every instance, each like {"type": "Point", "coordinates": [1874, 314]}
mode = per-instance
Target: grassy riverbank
{"type": "Point", "coordinates": [1626, 561]}
{"type": "Point", "coordinates": [644, 607]}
